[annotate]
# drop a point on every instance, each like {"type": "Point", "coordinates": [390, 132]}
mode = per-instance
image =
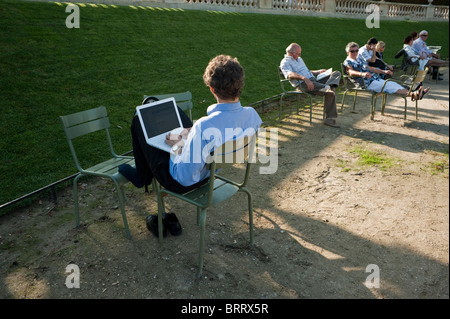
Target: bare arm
{"type": "Point", "coordinates": [295, 76]}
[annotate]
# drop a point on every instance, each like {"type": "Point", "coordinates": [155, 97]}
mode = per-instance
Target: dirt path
{"type": "Point", "coordinates": [326, 224]}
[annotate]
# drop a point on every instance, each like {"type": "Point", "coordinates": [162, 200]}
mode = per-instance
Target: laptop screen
{"type": "Point", "coordinates": [159, 118]}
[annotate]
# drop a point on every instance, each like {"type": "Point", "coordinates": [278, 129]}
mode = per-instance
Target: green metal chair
{"type": "Point", "coordinates": [299, 92]}
{"type": "Point", "coordinates": [183, 100]}
{"type": "Point", "coordinates": [407, 66]}
{"type": "Point", "coordinates": [217, 189]}
{"type": "Point", "coordinates": [410, 81]}
{"type": "Point", "coordinates": [350, 86]}
{"type": "Point", "coordinates": [86, 122]}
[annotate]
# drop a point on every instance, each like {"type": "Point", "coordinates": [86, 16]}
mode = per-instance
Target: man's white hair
{"type": "Point", "coordinates": [292, 48]}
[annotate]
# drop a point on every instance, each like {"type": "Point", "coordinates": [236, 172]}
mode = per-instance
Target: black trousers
{"type": "Point", "coordinates": [153, 162]}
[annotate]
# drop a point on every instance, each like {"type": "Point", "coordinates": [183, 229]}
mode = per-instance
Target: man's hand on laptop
{"type": "Point", "coordinates": [173, 139]}
{"type": "Point", "coordinates": [177, 140]}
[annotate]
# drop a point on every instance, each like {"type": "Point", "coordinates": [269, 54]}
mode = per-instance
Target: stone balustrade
{"type": "Point", "coordinates": [328, 8]}
{"type": "Point", "coordinates": [335, 8]}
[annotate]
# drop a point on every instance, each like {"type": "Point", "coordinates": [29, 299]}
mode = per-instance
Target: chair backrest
{"type": "Point", "coordinates": [283, 80]}
{"type": "Point", "coordinates": [347, 79]}
{"type": "Point", "coordinates": [420, 75]}
{"type": "Point", "coordinates": [85, 122]}
{"type": "Point", "coordinates": [344, 75]}
{"type": "Point", "coordinates": [241, 151]}
{"type": "Point", "coordinates": [183, 100]}
{"type": "Point", "coordinates": [400, 53]}
{"type": "Point", "coordinates": [234, 152]}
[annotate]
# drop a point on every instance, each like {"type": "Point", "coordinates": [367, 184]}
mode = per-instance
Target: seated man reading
{"type": "Point", "coordinates": [295, 70]}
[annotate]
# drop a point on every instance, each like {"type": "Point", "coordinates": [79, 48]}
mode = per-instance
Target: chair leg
{"type": "Point", "coordinates": [372, 111]}
{"type": "Point", "coordinates": [121, 196]}
{"type": "Point", "coordinates": [323, 113]}
{"type": "Point", "coordinates": [406, 109]}
{"type": "Point", "coordinates": [202, 242]}
{"type": "Point", "coordinates": [199, 210]}
{"type": "Point", "coordinates": [161, 209]}
{"type": "Point", "coordinates": [250, 212]}
{"type": "Point", "coordinates": [343, 100]}
{"type": "Point", "coordinates": [417, 110]}
{"type": "Point", "coordinates": [354, 100]}
{"type": "Point", "coordinates": [383, 104]}
{"type": "Point", "coordinates": [75, 200]}
{"type": "Point", "coordinates": [279, 108]}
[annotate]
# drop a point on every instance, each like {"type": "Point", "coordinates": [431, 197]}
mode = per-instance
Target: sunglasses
{"type": "Point", "coordinates": [353, 51]}
{"type": "Point", "coordinates": [424, 35]}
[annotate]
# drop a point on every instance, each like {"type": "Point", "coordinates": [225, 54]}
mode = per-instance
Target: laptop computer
{"type": "Point", "coordinates": [158, 119]}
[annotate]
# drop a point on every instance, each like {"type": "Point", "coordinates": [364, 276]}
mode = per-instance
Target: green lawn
{"type": "Point", "coordinates": [119, 54]}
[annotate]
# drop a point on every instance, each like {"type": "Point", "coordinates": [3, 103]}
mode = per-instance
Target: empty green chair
{"type": "Point", "coordinates": [86, 122]}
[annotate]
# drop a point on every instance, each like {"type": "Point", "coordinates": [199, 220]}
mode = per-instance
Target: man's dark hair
{"type": "Point", "coordinates": [226, 76]}
{"type": "Point", "coordinates": [372, 41]}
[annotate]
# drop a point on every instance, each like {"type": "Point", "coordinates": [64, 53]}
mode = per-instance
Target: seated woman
{"type": "Point", "coordinates": [413, 57]}
{"type": "Point", "coordinates": [379, 62]}
{"type": "Point", "coordinates": [422, 59]}
{"type": "Point", "coordinates": [371, 76]}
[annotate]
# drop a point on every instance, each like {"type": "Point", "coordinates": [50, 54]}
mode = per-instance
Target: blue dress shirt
{"type": "Point", "coordinates": [419, 45]}
{"type": "Point", "coordinates": [224, 122]}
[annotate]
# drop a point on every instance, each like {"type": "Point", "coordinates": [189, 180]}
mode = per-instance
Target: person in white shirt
{"type": "Point", "coordinates": [367, 53]}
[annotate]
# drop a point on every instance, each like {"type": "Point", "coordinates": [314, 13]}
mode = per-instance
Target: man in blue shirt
{"type": "Point", "coordinates": [298, 73]}
{"type": "Point", "coordinates": [226, 120]}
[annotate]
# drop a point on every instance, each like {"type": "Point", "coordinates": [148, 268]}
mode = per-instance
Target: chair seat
{"type": "Point", "coordinates": [111, 167]}
{"type": "Point", "coordinates": [222, 191]}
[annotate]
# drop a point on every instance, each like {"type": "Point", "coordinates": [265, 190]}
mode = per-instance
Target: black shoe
{"type": "Point", "coordinates": [172, 224]}
{"type": "Point", "coordinates": [152, 225]}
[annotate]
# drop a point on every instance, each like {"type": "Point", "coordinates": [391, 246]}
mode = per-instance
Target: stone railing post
{"type": "Point", "coordinates": [330, 6]}
{"type": "Point", "coordinates": [384, 8]}
{"type": "Point", "coordinates": [430, 10]}
{"type": "Point", "coordinates": [265, 4]}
